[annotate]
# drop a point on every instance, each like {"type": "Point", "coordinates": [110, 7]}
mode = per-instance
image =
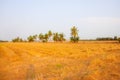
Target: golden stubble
{"type": "Point", "coordinates": [60, 61]}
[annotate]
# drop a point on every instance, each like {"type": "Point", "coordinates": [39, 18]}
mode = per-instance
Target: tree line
{"type": "Point", "coordinates": [50, 36]}
{"type": "Point", "coordinates": [59, 37]}
{"type": "Point", "coordinates": [108, 38]}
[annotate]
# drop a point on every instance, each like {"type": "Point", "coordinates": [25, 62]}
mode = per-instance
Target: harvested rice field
{"type": "Point", "coordinates": [86, 60]}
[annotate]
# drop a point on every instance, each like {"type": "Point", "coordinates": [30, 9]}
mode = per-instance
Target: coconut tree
{"type": "Point", "coordinates": [61, 37]}
{"type": "Point", "coordinates": [41, 36]}
{"type": "Point", "coordinates": [46, 36]}
{"type": "Point", "coordinates": [17, 39]}
{"type": "Point", "coordinates": [34, 37]}
{"type": "Point", "coordinates": [30, 38]}
{"type": "Point", "coordinates": [74, 34]}
{"type": "Point", "coordinates": [55, 36]}
{"type": "Point", "coordinates": [49, 34]}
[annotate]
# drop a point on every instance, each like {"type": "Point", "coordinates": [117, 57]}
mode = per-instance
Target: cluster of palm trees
{"type": "Point", "coordinates": [50, 36]}
{"type": "Point", "coordinates": [56, 37]}
{"type": "Point", "coordinates": [32, 38]}
{"type": "Point", "coordinates": [17, 39]}
{"type": "Point", "coordinates": [42, 37]}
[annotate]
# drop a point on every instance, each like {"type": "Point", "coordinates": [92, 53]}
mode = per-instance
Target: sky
{"type": "Point", "coordinates": [93, 18]}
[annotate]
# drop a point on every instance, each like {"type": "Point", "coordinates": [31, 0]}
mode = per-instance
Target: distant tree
{"type": "Point", "coordinates": [41, 36]}
{"type": "Point", "coordinates": [4, 41]}
{"type": "Point", "coordinates": [50, 34]}
{"type": "Point", "coordinates": [119, 40]}
{"type": "Point", "coordinates": [74, 34]}
{"type": "Point", "coordinates": [35, 37]}
{"type": "Point", "coordinates": [61, 37]}
{"type": "Point", "coordinates": [17, 39]}
{"type": "Point", "coordinates": [115, 37]}
{"type": "Point", "coordinates": [56, 36]}
{"type": "Point", "coordinates": [20, 40]}
{"type": "Point", "coordinates": [105, 38]}
{"type": "Point", "coordinates": [30, 39]}
{"type": "Point", "coordinates": [46, 36]}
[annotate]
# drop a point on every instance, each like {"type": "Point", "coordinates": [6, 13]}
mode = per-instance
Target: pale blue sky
{"type": "Point", "coordinates": [94, 18]}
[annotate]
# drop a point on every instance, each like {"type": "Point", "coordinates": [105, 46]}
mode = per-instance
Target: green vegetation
{"type": "Point", "coordinates": [105, 38]}
{"type": "Point", "coordinates": [17, 39]}
{"type": "Point", "coordinates": [55, 36]}
{"type": "Point", "coordinates": [59, 66]}
{"type": "Point", "coordinates": [119, 40]}
{"type": "Point", "coordinates": [3, 41]}
{"type": "Point", "coordinates": [32, 38]}
{"type": "Point", "coordinates": [43, 37]}
{"type": "Point", "coordinates": [115, 38]}
{"type": "Point", "coordinates": [74, 34]}
{"type": "Point", "coordinates": [60, 37]}
{"type": "Point", "coordinates": [50, 34]}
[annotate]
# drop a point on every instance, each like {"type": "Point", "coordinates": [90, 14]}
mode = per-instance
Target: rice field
{"type": "Point", "coordinates": [60, 61]}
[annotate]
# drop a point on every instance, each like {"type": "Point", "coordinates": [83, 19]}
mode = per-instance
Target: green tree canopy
{"type": "Point", "coordinates": [74, 34]}
{"type": "Point", "coordinates": [49, 33]}
{"type": "Point", "coordinates": [61, 37]}
{"type": "Point", "coordinates": [32, 38]}
{"type": "Point", "coordinates": [17, 39]}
